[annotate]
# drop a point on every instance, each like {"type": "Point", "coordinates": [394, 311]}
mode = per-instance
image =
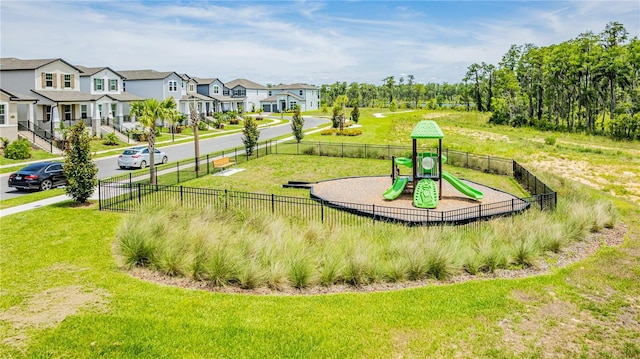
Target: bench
{"type": "Point", "coordinates": [222, 163]}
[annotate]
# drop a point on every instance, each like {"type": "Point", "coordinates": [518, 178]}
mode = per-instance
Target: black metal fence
{"type": "Point", "coordinates": [129, 192]}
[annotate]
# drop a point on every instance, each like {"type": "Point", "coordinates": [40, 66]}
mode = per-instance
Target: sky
{"type": "Point", "coordinates": [314, 42]}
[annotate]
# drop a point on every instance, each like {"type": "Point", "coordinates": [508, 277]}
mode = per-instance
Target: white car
{"type": "Point", "coordinates": [139, 157]}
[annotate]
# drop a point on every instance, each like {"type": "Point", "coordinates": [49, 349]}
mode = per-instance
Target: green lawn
{"type": "Point", "coordinates": [63, 293]}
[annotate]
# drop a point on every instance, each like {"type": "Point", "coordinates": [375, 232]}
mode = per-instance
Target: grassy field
{"type": "Point", "coordinates": [63, 293]}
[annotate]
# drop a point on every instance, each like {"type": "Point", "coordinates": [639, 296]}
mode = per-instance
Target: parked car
{"type": "Point", "coordinates": [139, 157]}
{"type": "Point", "coordinates": [41, 175]}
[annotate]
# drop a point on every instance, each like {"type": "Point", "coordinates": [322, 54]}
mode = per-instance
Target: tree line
{"type": "Point", "coordinates": [588, 84]}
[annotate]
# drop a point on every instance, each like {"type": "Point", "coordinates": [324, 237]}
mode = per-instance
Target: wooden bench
{"type": "Point", "coordinates": [222, 163]}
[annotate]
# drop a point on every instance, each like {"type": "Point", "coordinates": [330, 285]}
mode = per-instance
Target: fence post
{"type": "Point", "coordinates": [99, 196]}
{"type": "Point", "coordinates": [130, 184]}
{"type": "Point", "coordinates": [197, 164]}
{"type": "Point", "coordinates": [273, 204]}
{"type": "Point", "coordinates": [479, 211]}
{"type": "Point", "coordinates": [139, 194]}
{"type": "Point", "coordinates": [226, 200]}
{"type": "Point", "coordinates": [207, 163]}
{"type": "Point", "coordinates": [178, 170]}
{"type": "Point", "coordinates": [181, 199]}
{"type": "Point", "coordinates": [322, 210]}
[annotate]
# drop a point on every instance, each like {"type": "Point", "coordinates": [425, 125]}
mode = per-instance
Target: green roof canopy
{"type": "Point", "coordinates": [427, 129]}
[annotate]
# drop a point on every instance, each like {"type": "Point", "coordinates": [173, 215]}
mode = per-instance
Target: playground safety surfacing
{"type": "Point", "coordinates": [363, 196]}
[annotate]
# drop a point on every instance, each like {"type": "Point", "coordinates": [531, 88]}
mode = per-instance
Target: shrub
{"type": "Point", "coordinates": [202, 126]}
{"type": "Point", "coordinates": [111, 140]}
{"type": "Point", "coordinates": [19, 149]}
{"type": "Point", "coordinates": [81, 171]}
{"type": "Point", "coordinates": [329, 132]}
{"type": "Point", "coordinates": [300, 272]}
{"type": "Point", "coordinates": [550, 141]}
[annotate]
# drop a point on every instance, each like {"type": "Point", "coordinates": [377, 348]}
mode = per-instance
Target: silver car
{"type": "Point", "coordinates": [139, 157]}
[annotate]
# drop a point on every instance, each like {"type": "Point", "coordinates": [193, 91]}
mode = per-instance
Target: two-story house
{"type": "Point", "coordinates": [247, 94]}
{"type": "Point", "coordinates": [203, 104]}
{"type": "Point", "coordinates": [112, 103]}
{"type": "Point", "coordinates": [215, 89]}
{"type": "Point", "coordinates": [55, 84]}
{"type": "Point", "coordinates": [156, 84]}
{"type": "Point", "coordinates": [285, 97]}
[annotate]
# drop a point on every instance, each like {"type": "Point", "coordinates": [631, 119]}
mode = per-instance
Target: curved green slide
{"type": "Point", "coordinates": [461, 186]}
{"type": "Point", "coordinates": [425, 195]}
{"type": "Point", "coordinates": [397, 188]}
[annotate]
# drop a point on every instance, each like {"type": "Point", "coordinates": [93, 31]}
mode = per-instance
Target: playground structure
{"type": "Point", "coordinates": [425, 181]}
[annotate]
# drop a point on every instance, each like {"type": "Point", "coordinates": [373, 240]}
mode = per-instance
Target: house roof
{"type": "Point", "coordinates": [146, 74]}
{"type": "Point", "coordinates": [193, 95]}
{"type": "Point", "coordinates": [245, 83]}
{"type": "Point", "coordinates": [205, 81]}
{"type": "Point", "coordinates": [12, 63]}
{"type": "Point", "coordinates": [90, 71]}
{"type": "Point", "coordinates": [66, 96]}
{"type": "Point", "coordinates": [278, 95]}
{"type": "Point", "coordinates": [294, 87]}
{"type": "Point", "coordinates": [222, 98]}
{"type": "Point", "coordinates": [15, 96]}
{"type": "Point", "coordinates": [125, 97]}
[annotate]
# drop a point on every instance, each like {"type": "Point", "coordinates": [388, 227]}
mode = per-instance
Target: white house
{"type": "Point", "coordinates": [247, 92]}
{"type": "Point", "coordinates": [285, 97]}
{"type": "Point", "coordinates": [112, 102]}
{"type": "Point", "coordinates": [155, 84]}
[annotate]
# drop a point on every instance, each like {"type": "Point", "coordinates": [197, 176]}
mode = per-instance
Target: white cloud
{"type": "Point", "coordinates": [273, 42]}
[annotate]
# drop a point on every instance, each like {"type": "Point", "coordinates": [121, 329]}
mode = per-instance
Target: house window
{"type": "Point", "coordinates": [100, 110]}
{"type": "Point", "coordinates": [190, 87]}
{"type": "Point", "coordinates": [269, 93]}
{"type": "Point", "coordinates": [292, 104]}
{"type": "Point", "coordinates": [173, 86]}
{"type": "Point", "coordinates": [3, 116]}
{"type": "Point", "coordinates": [48, 80]}
{"type": "Point", "coordinates": [300, 92]}
{"type": "Point", "coordinates": [67, 112]}
{"type": "Point", "coordinates": [47, 113]}
{"type": "Point", "coordinates": [113, 110]}
{"type": "Point", "coordinates": [239, 92]}
{"type": "Point", "coordinates": [98, 84]}
{"type": "Point", "coordinates": [113, 85]}
{"type": "Point", "coordinates": [83, 111]}
{"type": "Point", "coordinates": [216, 89]}
{"type": "Point", "coordinates": [67, 81]}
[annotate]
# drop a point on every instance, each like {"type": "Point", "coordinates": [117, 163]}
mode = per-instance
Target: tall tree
{"type": "Point", "coordinates": [78, 165]}
{"type": "Point", "coordinates": [251, 135]}
{"type": "Point", "coordinates": [474, 74]}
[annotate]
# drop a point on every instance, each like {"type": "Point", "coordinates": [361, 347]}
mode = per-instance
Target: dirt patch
{"type": "Point", "coordinates": [479, 135]}
{"type": "Point", "coordinates": [48, 309]}
{"type": "Point", "coordinates": [574, 252]}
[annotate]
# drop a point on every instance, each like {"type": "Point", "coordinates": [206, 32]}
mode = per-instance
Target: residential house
{"type": "Point", "coordinates": [55, 84]}
{"type": "Point", "coordinates": [112, 103]}
{"type": "Point", "coordinates": [9, 104]}
{"type": "Point", "coordinates": [156, 84]}
{"type": "Point", "coordinates": [285, 97]}
{"type": "Point", "coordinates": [203, 104]}
{"type": "Point", "coordinates": [215, 89]}
{"type": "Point", "coordinates": [247, 94]}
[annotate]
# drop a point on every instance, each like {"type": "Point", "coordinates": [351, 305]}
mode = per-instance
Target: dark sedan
{"type": "Point", "coordinates": [41, 175]}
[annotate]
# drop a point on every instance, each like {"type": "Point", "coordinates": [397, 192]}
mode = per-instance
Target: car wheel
{"type": "Point", "coordinates": [121, 167]}
{"type": "Point", "coordinates": [143, 164]}
{"type": "Point", "coordinates": [46, 185]}
{"type": "Point", "coordinates": [165, 160]}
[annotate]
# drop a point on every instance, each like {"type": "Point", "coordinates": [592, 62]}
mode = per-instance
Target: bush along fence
{"type": "Point", "coordinates": [130, 192]}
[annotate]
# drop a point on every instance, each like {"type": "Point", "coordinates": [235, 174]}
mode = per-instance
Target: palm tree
{"type": "Point", "coordinates": [147, 112]}
{"type": "Point", "coordinates": [195, 120]}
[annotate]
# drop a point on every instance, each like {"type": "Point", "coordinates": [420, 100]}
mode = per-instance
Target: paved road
{"type": "Point", "coordinates": [107, 166]}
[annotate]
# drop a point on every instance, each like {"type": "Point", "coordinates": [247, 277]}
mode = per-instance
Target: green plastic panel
{"type": "Point", "coordinates": [427, 129]}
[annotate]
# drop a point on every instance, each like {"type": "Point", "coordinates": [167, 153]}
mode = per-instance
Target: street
{"type": "Point", "coordinates": [107, 166]}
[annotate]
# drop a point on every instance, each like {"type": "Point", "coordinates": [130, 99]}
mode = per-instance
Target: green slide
{"type": "Point", "coordinates": [397, 188]}
{"type": "Point", "coordinates": [425, 195]}
{"type": "Point", "coordinates": [461, 186]}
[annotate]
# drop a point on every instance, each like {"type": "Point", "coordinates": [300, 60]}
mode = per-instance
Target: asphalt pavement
{"type": "Point", "coordinates": [107, 166]}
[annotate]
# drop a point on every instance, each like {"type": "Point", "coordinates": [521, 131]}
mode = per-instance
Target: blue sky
{"type": "Point", "coordinates": [298, 41]}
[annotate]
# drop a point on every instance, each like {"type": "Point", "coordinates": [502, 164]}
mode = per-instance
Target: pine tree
{"type": "Point", "coordinates": [80, 170]}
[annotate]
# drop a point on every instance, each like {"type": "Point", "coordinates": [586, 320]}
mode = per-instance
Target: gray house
{"type": "Point", "coordinates": [285, 97]}
{"type": "Point", "coordinates": [214, 88]}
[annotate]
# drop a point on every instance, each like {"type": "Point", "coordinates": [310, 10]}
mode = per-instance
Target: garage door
{"type": "Point", "coordinates": [266, 107]}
